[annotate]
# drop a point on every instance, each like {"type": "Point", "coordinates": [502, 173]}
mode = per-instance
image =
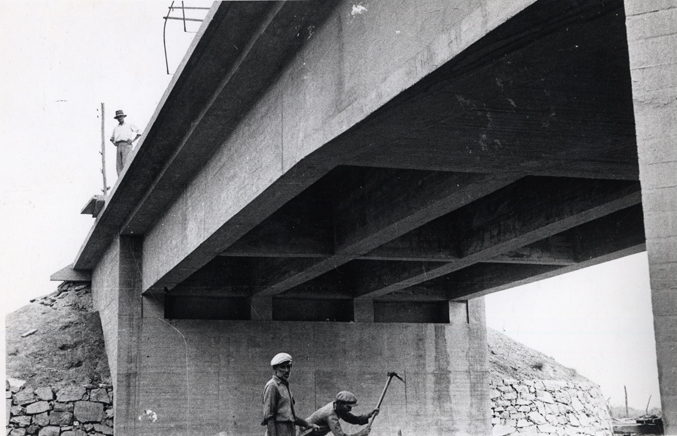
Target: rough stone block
{"type": "Point", "coordinates": [71, 393]}
{"type": "Point", "coordinates": [100, 396]}
{"type": "Point", "coordinates": [577, 405]}
{"type": "Point", "coordinates": [545, 396]}
{"type": "Point", "coordinates": [521, 389]}
{"type": "Point", "coordinates": [39, 407]}
{"type": "Point", "coordinates": [502, 430]}
{"type": "Point", "coordinates": [74, 433]}
{"type": "Point", "coordinates": [537, 418]}
{"type": "Point", "coordinates": [41, 419]}
{"type": "Point", "coordinates": [87, 411]}
{"type": "Point", "coordinates": [17, 432]}
{"type": "Point", "coordinates": [21, 421]}
{"type": "Point", "coordinates": [562, 397]}
{"type": "Point", "coordinates": [573, 420]}
{"type": "Point", "coordinates": [60, 418]}
{"type": "Point", "coordinates": [63, 407]}
{"type": "Point", "coordinates": [104, 429]}
{"type": "Point", "coordinates": [49, 431]}
{"type": "Point", "coordinates": [523, 423]}
{"type": "Point", "coordinates": [547, 428]}
{"type": "Point", "coordinates": [25, 397]}
{"type": "Point", "coordinates": [45, 394]}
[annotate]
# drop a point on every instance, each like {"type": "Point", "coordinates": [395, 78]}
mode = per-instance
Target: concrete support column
{"type": "Point", "coordinates": [363, 310]}
{"type": "Point", "coordinates": [261, 308]}
{"type": "Point", "coordinates": [129, 334]}
{"type": "Point", "coordinates": [652, 43]}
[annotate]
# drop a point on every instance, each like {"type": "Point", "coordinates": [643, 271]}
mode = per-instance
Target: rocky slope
{"type": "Point", "coordinates": [57, 340]}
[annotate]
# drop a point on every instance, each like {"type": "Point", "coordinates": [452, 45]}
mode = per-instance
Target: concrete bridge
{"type": "Point", "coordinates": [345, 181]}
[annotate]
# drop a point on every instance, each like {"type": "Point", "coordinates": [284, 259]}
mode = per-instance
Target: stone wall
{"type": "Point", "coordinates": [73, 410]}
{"type": "Point", "coordinates": [554, 407]}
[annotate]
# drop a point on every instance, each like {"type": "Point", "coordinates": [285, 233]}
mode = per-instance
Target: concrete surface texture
{"type": "Point", "coordinates": [320, 161]}
{"type": "Point", "coordinates": [206, 377]}
{"type": "Point", "coordinates": [652, 41]}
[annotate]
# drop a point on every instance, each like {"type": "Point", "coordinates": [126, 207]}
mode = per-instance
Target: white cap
{"type": "Point", "coordinates": [280, 358]}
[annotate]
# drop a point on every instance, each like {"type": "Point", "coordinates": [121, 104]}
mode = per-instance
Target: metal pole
{"type": "Point", "coordinates": [627, 414]}
{"type": "Point", "coordinates": [183, 10]}
{"type": "Point", "coordinates": [103, 149]}
{"type": "Point", "coordinates": [164, 39]}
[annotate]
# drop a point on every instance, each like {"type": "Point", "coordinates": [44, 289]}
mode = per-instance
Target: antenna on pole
{"type": "Point", "coordinates": [182, 18]}
{"type": "Point", "coordinates": [103, 149]}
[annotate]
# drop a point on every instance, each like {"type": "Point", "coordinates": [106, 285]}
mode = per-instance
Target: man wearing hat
{"type": "Point", "coordinates": [124, 134]}
{"type": "Point", "coordinates": [327, 417]}
{"type": "Point", "coordinates": [278, 403]}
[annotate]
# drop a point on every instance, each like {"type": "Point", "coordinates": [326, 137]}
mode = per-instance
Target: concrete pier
{"type": "Point", "coordinates": [652, 43]}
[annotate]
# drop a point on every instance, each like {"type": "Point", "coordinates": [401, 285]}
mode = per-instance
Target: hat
{"type": "Point", "coordinates": [119, 113]}
{"type": "Point", "coordinates": [280, 358]}
{"type": "Point", "coordinates": [346, 398]}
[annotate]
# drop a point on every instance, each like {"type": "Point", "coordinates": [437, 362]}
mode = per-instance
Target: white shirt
{"type": "Point", "coordinates": [124, 132]}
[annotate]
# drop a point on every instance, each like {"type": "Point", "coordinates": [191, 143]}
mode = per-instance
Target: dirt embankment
{"type": "Point", "coordinates": [57, 340]}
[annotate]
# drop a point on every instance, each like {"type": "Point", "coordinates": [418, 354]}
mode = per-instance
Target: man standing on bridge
{"type": "Point", "coordinates": [278, 403]}
{"type": "Point", "coordinates": [124, 134]}
{"type": "Point", "coordinates": [327, 417]}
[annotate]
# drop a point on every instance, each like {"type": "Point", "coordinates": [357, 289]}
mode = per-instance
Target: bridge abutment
{"type": "Point", "coordinates": [206, 376]}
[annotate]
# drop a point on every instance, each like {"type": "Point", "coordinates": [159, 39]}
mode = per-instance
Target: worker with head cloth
{"type": "Point", "coordinates": [327, 417]}
{"type": "Point", "coordinates": [278, 403]}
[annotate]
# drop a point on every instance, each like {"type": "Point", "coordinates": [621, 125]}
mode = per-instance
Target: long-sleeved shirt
{"type": "Point", "coordinates": [328, 420]}
{"type": "Point", "coordinates": [278, 402]}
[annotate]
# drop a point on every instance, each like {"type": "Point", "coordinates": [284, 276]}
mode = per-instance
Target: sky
{"type": "Point", "coordinates": [62, 59]}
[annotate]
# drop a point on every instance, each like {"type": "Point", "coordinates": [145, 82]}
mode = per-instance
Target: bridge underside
{"type": "Point", "coordinates": [319, 162]}
{"type": "Point", "coordinates": [513, 162]}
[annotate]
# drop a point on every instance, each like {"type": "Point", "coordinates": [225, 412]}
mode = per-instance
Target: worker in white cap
{"type": "Point", "coordinates": [278, 403]}
{"type": "Point", "coordinates": [327, 417]}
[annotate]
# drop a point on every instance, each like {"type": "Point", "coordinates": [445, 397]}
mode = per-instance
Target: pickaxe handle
{"type": "Point", "coordinates": [383, 394]}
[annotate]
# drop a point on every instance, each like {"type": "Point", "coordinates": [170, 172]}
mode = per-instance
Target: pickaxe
{"type": "Point", "coordinates": [383, 394]}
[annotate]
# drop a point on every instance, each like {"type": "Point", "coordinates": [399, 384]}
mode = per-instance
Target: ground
{"type": "Point", "coordinates": [511, 359]}
{"type": "Point", "coordinates": [67, 343]}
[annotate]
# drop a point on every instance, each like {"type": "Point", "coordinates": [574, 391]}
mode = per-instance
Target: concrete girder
{"type": "Point", "coordinates": [387, 210]}
{"type": "Point", "coordinates": [485, 236]}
